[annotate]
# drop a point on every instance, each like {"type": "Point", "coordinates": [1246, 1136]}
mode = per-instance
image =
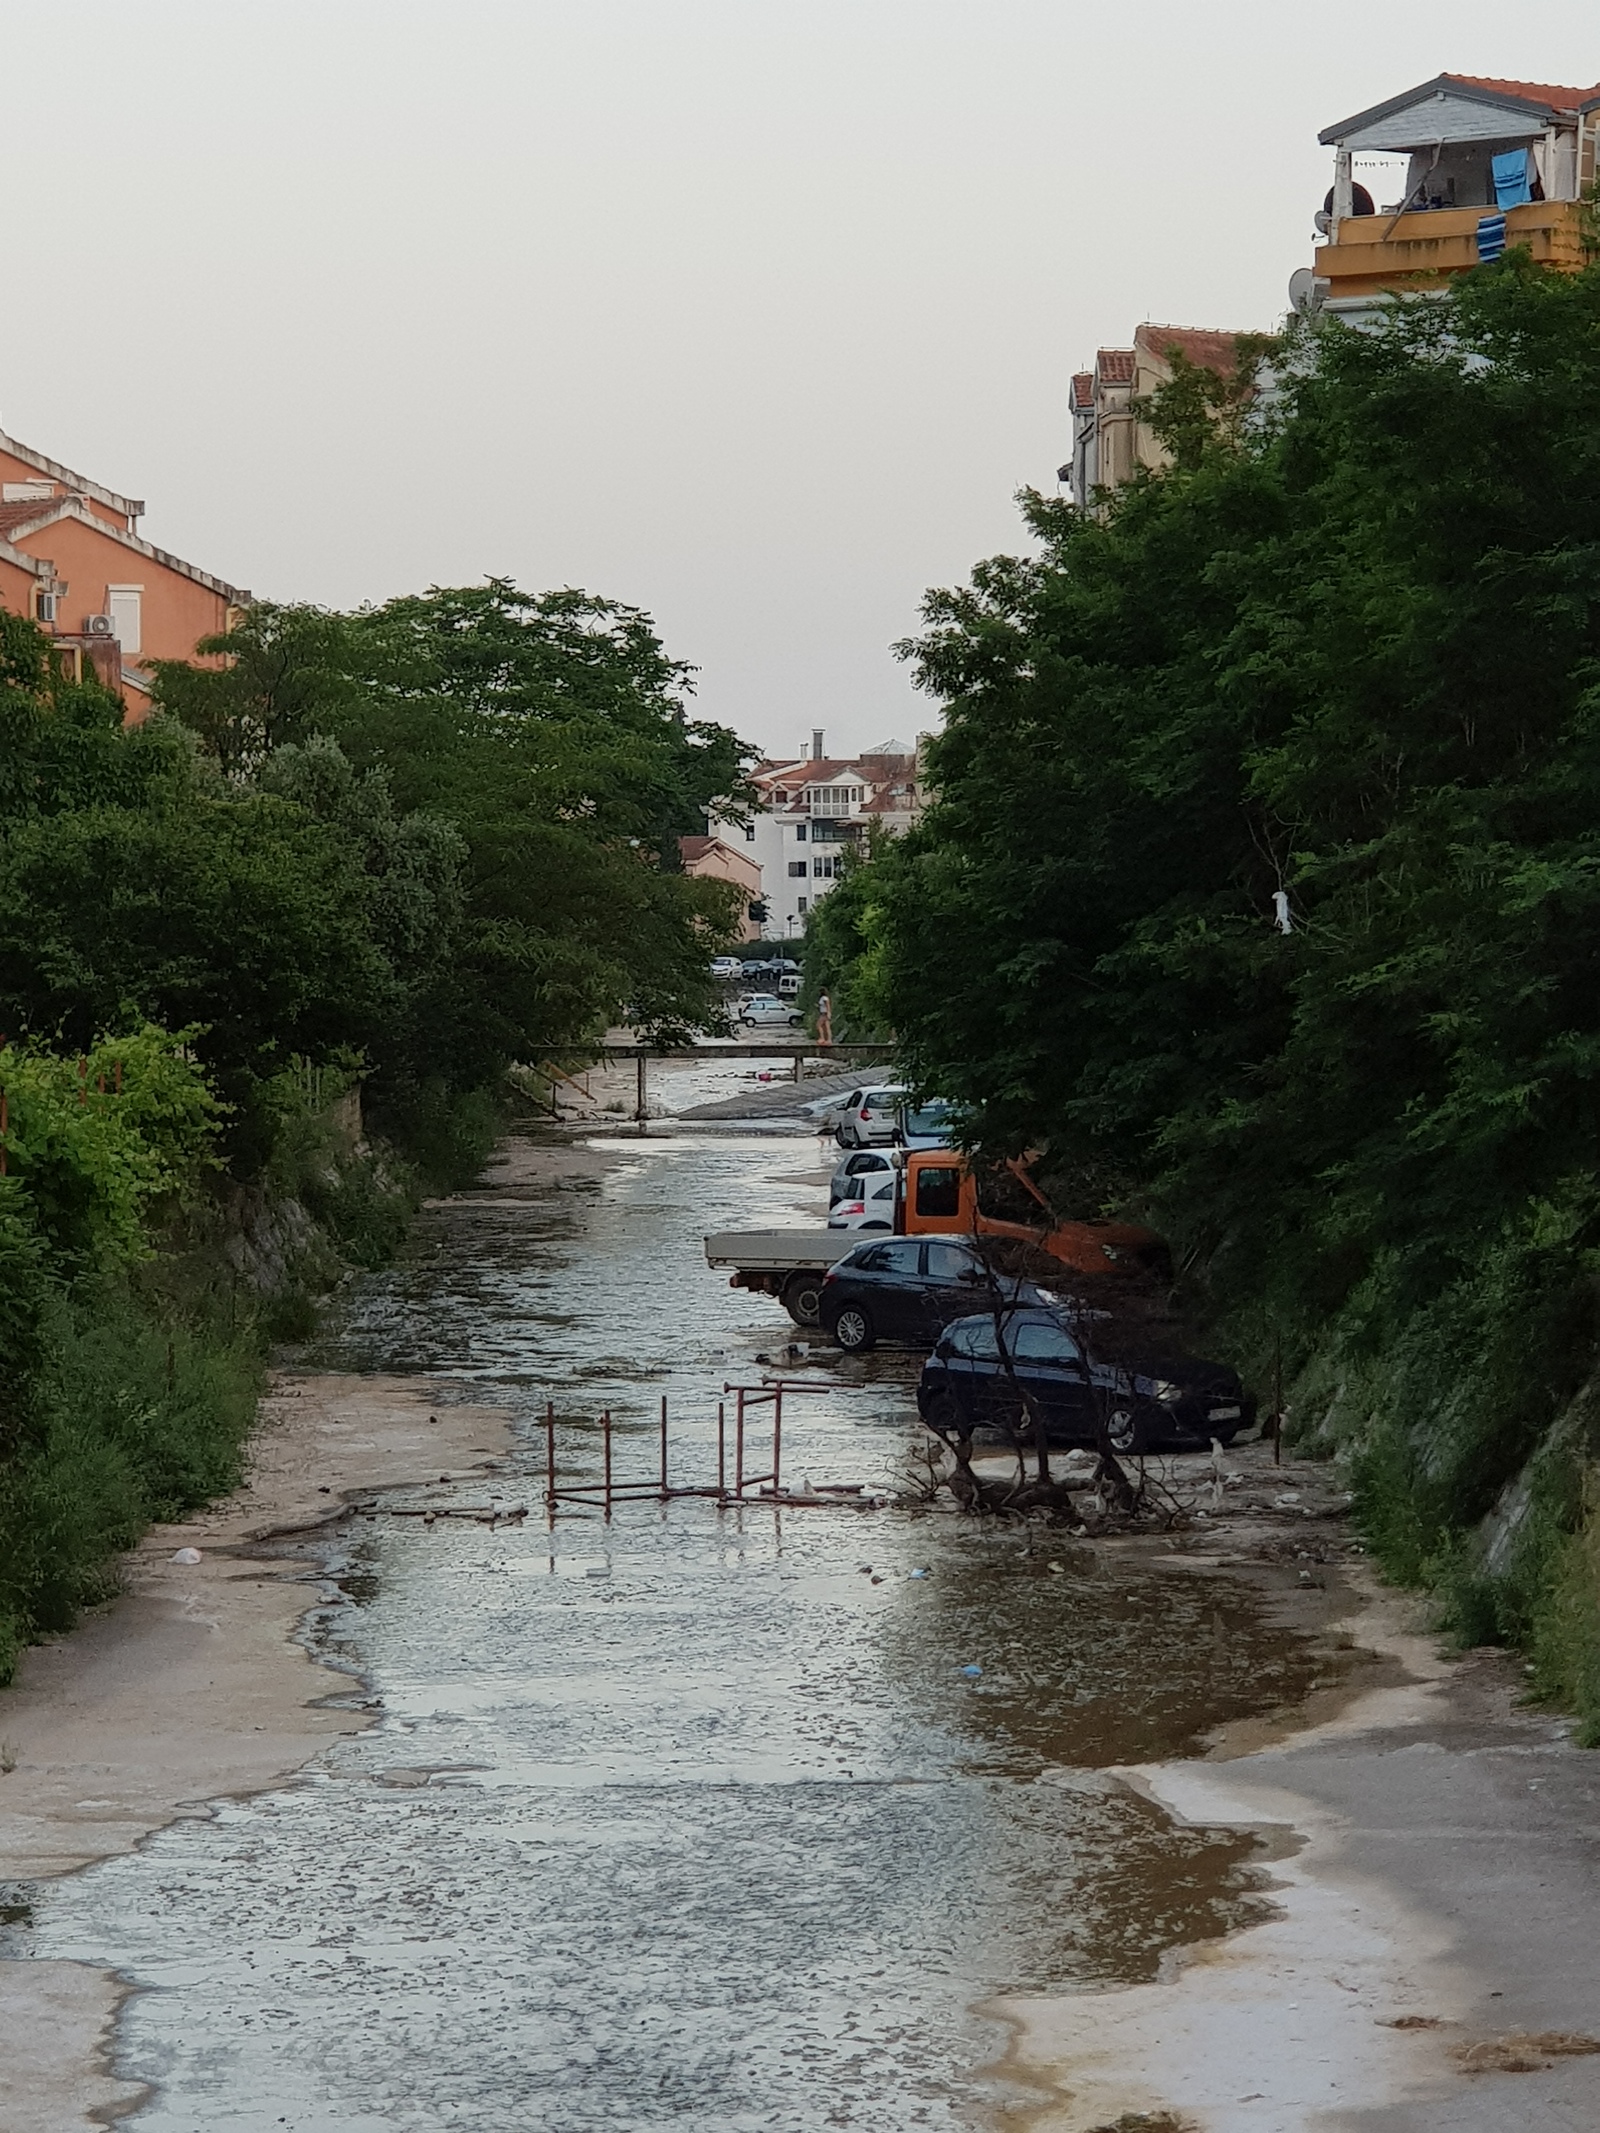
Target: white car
{"type": "Point", "coordinates": [726, 966]}
{"type": "Point", "coordinates": [764, 1009]}
{"type": "Point", "coordinates": [789, 985]}
{"type": "Point", "coordinates": [830, 1112]}
{"type": "Point", "coordinates": [873, 1205]}
{"type": "Point", "coordinates": [867, 1166]}
{"type": "Point", "coordinates": [874, 1120]}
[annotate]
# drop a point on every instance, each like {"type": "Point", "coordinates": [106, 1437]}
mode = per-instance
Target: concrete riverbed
{"type": "Point", "coordinates": [698, 1816]}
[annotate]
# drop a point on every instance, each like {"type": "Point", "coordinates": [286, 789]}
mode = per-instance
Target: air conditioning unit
{"type": "Point", "coordinates": [99, 626]}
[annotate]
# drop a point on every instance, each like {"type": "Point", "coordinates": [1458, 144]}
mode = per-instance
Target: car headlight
{"type": "Point", "coordinates": [1161, 1389]}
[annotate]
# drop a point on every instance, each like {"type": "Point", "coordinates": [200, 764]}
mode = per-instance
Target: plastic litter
{"type": "Point", "coordinates": [186, 1555]}
{"type": "Point", "coordinates": [972, 1672]}
{"type": "Point", "coordinates": [1289, 1496]}
{"type": "Point", "coordinates": [919, 1573]}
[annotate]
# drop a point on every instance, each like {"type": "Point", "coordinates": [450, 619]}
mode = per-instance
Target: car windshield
{"type": "Point", "coordinates": [974, 1337]}
{"type": "Point", "coordinates": [934, 1118]}
{"type": "Point", "coordinates": [1034, 1341]}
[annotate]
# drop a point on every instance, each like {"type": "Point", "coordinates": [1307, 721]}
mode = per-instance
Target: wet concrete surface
{"type": "Point", "coordinates": [696, 1816]}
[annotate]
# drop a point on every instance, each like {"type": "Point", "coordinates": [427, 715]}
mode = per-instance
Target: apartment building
{"type": "Point", "coordinates": [72, 559]}
{"type": "Point", "coordinates": [1442, 177]}
{"type": "Point", "coordinates": [817, 809]}
{"type": "Point", "coordinates": [1111, 438]}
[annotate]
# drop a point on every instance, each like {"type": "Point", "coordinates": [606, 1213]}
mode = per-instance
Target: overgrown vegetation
{"type": "Point", "coordinates": [1337, 669]}
{"type": "Point", "coordinates": [355, 862]}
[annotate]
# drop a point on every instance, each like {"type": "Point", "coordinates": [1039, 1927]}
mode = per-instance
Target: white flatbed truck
{"type": "Point", "coordinates": [786, 1263]}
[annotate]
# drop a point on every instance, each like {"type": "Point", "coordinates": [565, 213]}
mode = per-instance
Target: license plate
{"type": "Point", "coordinates": [1224, 1414]}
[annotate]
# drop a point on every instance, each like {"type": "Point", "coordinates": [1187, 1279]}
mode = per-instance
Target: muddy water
{"type": "Point", "coordinates": [691, 1818]}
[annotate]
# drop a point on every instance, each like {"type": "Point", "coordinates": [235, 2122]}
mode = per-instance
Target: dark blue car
{"type": "Point", "coordinates": [969, 1392]}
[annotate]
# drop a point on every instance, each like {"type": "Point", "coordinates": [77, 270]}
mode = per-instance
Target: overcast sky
{"type": "Point", "coordinates": [755, 313]}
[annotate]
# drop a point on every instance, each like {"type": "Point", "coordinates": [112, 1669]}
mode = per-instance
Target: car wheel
{"type": "Point", "coordinates": [852, 1329]}
{"type": "Point", "coordinates": [838, 1134]}
{"type": "Point", "coordinates": [802, 1298]}
{"type": "Point", "coordinates": [944, 1418]}
{"type": "Point", "coordinates": [1126, 1432]}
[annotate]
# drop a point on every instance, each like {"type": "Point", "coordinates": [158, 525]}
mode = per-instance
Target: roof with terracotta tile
{"type": "Point", "coordinates": [1082, 388]}
{"type": "Point", "coordinates": [1549, 99]}
{"type": "Point", "coordinates": [14, 515]}
{"type": "Point", "coordinates": [1114, 366]}
{"type": "Point", "coordinates": [42, 516]}
{"type": "Point", "coordinates": [129, 506]}
{"type": "Point", "coordinates": [1526, 92]}
{"type": "Point", "coordinates": [1197, 344]}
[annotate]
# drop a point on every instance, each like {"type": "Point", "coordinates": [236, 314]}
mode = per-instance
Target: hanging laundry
{"type": "Point", "coordinates": [1491, 236]}
{"type": "Point", "coordinates": [1512, 177]}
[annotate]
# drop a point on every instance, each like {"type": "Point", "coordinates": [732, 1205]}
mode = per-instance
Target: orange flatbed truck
{"type": "Point", "coordinates": [938, 1197]}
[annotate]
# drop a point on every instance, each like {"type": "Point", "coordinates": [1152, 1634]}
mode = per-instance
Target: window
{"type": "Point", "coordinates": [1035, 1342]}
{"type": "Point", "coordinates": [749, 833]}
{"type": "Point", "coordinates": [975, 1337]}
{"type": "Point", "coordinates": [833, 799]}
{"type": "Point", "coordinates": [122, 605]}
{"type": "Point", "coordinates": [950, 1262]}
{"type": "Point", "coordinates": [827, 869]}
{"type": "Point", "coordinates": [44, 605]}
{"type": "Point", "coordinates": [798, 866]}
{"type": "Point", "coordinates": [939, 1191]}
{"type": "Point", "coordinates": [799, 833]}
{"type": "Point", "coordinates": [800, 907]}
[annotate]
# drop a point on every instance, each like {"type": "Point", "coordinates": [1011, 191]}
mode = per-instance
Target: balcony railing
{"type": "Point", "coordinates": [1421, 250]}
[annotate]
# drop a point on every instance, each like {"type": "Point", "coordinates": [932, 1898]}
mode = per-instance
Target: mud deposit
{"type": "Point", "coordinates": [695, 1817]}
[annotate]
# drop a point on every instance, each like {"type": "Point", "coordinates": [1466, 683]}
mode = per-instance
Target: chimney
{"type": "Point", "coordinates": [816, 744]}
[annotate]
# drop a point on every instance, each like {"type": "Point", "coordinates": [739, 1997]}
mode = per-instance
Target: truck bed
{"type": "Point", "coordinates": [777, 1251]}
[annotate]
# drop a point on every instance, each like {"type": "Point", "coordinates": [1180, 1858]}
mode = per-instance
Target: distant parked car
{"type": "Point", "coordinates": [909, 1289]}
{"type": "Point", "coordinates": [929, 1125]}
{"type": "Point", "coordinates": [854, 1171]}
{"type": "Point", "coordinates": [726, 966]}
{"type": "Point", "coordinates": [872, 1121]}
{"type": "Point", "coordinates": [766, 1010]}
{"type": "Point", "coordinates": [789, 985]}
{"type": "Point", "coordinates": [869, 1206]}
{"type": "Point", "coordinates": [970, 1389]}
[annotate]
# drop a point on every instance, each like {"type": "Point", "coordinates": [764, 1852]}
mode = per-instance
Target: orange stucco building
{"type": "Point", "coordinates": [72, 559]}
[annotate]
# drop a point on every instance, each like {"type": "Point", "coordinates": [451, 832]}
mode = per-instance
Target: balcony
{"type": "Point", "coordinates": [1372, 254]}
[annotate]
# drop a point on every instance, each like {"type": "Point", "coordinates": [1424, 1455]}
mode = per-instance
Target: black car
{"type": "Point", "coordinates": [967, 1390]}
{"type": "Point", "coordinates": [909, 1289]}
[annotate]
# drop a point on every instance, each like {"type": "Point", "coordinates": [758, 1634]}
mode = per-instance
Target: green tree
{"type": "Point", "coordinates": [552, 731]}
{"type": "Point", "coordinates": [1347, 653]}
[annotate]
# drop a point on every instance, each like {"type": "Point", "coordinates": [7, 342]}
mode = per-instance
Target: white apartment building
{"type": "Point", "coordinates": [817, 809]}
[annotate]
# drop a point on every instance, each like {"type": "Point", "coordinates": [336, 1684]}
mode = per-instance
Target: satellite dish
{"type": "Point", "coordinates": [1306, 292]}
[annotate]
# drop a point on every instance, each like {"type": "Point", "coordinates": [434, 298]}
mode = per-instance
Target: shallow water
{"type": "Point", "coordinates": [692, 1817]}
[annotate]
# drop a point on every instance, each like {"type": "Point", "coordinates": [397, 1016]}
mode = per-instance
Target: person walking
{"type": "Point", "coordinates": [824, 1019]}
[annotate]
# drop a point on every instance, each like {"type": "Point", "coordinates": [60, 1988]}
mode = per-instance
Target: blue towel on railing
{"type": "Point", "coordinates": [1511, 176]}
{"type": "Point", "coordinates": [1491, 236]}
